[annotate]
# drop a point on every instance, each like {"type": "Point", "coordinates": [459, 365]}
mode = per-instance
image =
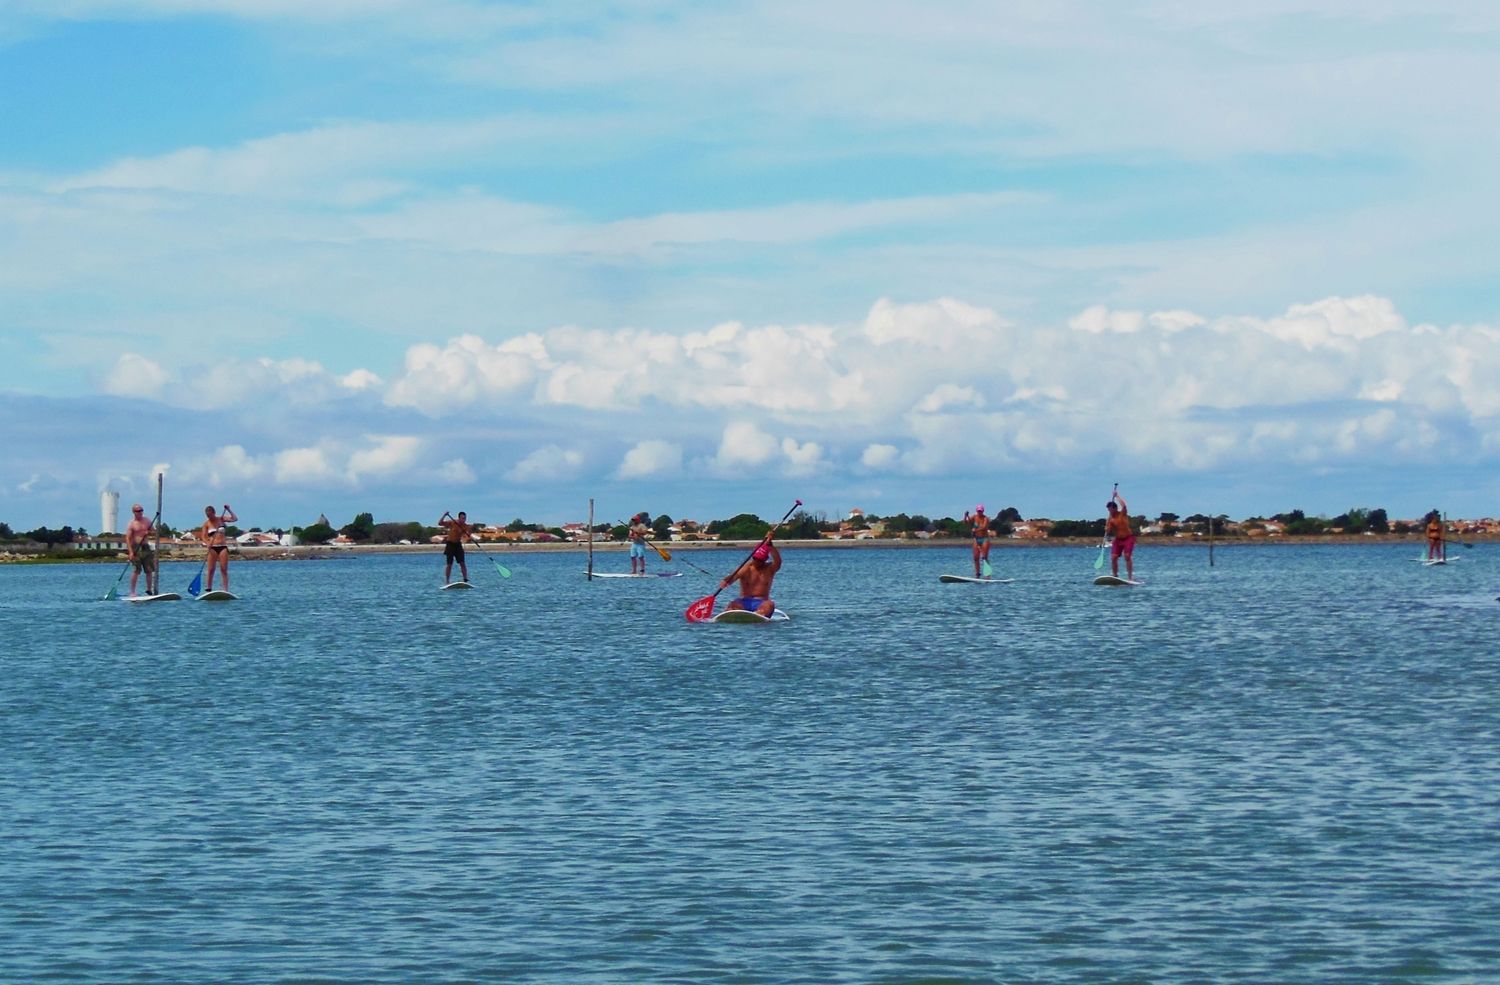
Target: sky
{"type": "Point", "coordinates": [709, 258]}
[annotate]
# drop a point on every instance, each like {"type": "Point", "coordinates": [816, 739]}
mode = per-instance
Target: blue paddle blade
{"type": "Point", "coordinates": [1099, 561]}
{"type": "Point", "coordinates": [984, 568]}
{"type": "Point", "coordinates": [111, 595]}
{"type": "Point", "coordinates": [197, 585]}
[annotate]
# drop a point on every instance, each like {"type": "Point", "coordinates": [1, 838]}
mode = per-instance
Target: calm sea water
{"type": "Point", "coordinates": [1285, 768]}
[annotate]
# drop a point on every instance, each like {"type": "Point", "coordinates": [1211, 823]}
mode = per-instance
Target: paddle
{"type": "Point", "coordinates": [114, 590]}
{"type": "Point", "coordinates": [703, 609]}
{"type": "Point", "coordinates": [197, 585]}
{"type": "Point", "coordinates": [504, 571]}
{"type": "Point", "coordinates": [984, 568]}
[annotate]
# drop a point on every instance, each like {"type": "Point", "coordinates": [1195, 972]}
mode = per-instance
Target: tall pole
{"type": "Point", "coordinates": [153, 580]}
{"type": "Point", "coordinates": [591, 538]}
{"type": "Point", "coordinates": [1210, 540]}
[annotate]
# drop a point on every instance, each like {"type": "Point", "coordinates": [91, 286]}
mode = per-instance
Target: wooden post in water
{"type": "Point", "coordinates": [153, 578]}
{"type": "Point", "coordinates": [1210, 540]}
{"type": "Point", "coordinates": [591, 538]}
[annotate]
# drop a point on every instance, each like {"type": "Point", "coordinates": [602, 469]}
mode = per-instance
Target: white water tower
{"type": "Point", "coordinates": [109, 512]}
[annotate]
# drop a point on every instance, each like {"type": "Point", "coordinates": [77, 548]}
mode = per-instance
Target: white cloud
{"type": "Point", "coordinates": [305, 467]}
{"type": "Point", "coordinates": [879, 456]}
{"type": "Point", "coordinates": [391, 454]}
{"type": "Point", "coordinates": [467, 371]}
{"type": "Point", "coordinates": [456, 472]}
{"type": "Point", "coordinates": [743, 444]}
{"type": "Point", "coordinates": [548, 464]}
{"type": "Point", "coordinates": [650, 459]}
{"type": "Point", "coordinates": [949, 395]}
{"type": "Point", "coordinates": [802, 459]}
{"type": "Point", "coordinates": [136, 376]}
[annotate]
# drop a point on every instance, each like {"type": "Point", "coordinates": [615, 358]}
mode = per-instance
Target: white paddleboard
{"type": "Point", "coordinates": [1115, 582]}
{"type": "Point", "coordinates": [967, 580]}
{"type": "Point", "coordinates": [457, 584]}
{"type": "Point", "coordinates": [1434, 562]}
{"type": "Point", "coordinates": [164, 597]}
{"type": "Point", "coordinates": [745, 615]}
{"type": "Point", "coordinates": [649, 574]}
{"type": "Point", "coordinates": [218, 595]}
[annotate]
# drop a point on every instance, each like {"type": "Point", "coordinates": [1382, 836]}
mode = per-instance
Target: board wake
{"type": "Point", "coordinates": [1114, 581]}
{"type": "Point", "coordinates": [967, 580]}
{"type": "Point", "coordinates": [746, 616]}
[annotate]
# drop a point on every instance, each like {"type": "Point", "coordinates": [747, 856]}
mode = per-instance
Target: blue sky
{"type": "Point", "coordinates": [701, 258]}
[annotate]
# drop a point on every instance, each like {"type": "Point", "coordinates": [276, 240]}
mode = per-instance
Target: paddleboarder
{"type": "Point", "coordinates": [214, 536]}
{"type": "Point", "coordinates": [138, 548]}
{"type": "Point", "coordinates": [979, 526]}
{"type": "Point", "coordinates": [1122, 538]}
{"type": "Point", "coordinates": [1434, 536]}
{"type": "Point", "coordinates": [755, 575]}
{"type": "Point", "coordinates": [457, 531]}
{"type": "Point", "coordinates": [636, 533]}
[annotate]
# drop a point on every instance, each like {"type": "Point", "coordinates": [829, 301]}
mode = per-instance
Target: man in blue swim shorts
{"type": "Point", "coordinates": [755, 577]}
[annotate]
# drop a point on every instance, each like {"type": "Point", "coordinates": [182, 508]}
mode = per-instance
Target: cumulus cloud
{"type": "Point", "coordinates": [135, 376]}
{"type": "Point", "coordinates": [456, 472]}
{"type": "Point", "coordinates": [650, 459]}
{"type": "Point", "coordinates": [743, 444]}
{"type": "Point", "coordinates": [389, 455]}
{"type": "Point", "coordinates": [548, 464]}
{"type": "Point", "coordinates": [879, 456]}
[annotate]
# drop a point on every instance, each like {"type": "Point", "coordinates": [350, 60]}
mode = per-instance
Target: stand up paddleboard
{"type": "Point", "coordinates": [457, 584]}
{"type": "Point", "coordinates": [966, 580]}
{"type": "Point", "coordinates": [164, 597]}
{"type": "Point", "coordinates": [1434, 562]}
{"type": "Point", "coordinates": [649, 574]}
{"type": "Point", "coordinates": [745, 615]}
{"type": "Point", "coordinates": [218, 595]}
{"type": "Point", "coordinates": [1116, 582]}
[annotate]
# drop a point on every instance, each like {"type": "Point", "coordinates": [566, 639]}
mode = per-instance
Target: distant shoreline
{"type": "Point", "coordinates": [323, 551]}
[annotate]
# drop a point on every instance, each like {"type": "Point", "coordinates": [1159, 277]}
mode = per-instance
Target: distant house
{"type": "Point", "coordinates": [103, 542]}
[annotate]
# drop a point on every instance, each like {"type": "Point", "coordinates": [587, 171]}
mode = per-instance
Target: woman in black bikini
{"type": "Point", "coordinates": [212, 535]}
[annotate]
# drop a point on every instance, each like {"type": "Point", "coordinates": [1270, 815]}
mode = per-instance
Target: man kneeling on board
{"type": "Point", "coordinates": [755, 576]}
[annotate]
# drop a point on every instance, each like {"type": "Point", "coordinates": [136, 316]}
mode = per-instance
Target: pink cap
{"type": "Point", "coordinates": [979, 508]}
{"type": "Point", "coordinates": [761, 553]}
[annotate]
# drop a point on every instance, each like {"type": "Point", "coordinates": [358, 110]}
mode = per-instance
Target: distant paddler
{"type": "Point", "coordinates": [138, 548]}
{"type": "Point", "coordinates": [1122, 538]}
{"type": "Point", "coordinates": [456, 531]}
{"type": "Point", "coordinates": [636, 534]}
{"type": "Point", "coordinates": [1435, 536]}
{"type": "Point", "coordinates": [979, 527]}
{"type": "Point", "coordinates": [214, 535]}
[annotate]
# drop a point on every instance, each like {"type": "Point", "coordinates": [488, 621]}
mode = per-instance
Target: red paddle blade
{"type": "Point", "coordinates": [701, 610]}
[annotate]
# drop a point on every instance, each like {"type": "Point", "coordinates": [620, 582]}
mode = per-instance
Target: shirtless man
{"type": "Point", "coordinates": [138, 547]}
{"type": "Point", "coordinates": [453, 544]}
{"type": "Point", "coordinates": [979, 526]}
{"type": "Point", "coordinates": [755, 577]}
{"type": "Point", "coordinates": [212, 534]}
{"type": "Point", "coordinates": [637, 536]}
{"type": "Point", "coordinates": [1122, 538]}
